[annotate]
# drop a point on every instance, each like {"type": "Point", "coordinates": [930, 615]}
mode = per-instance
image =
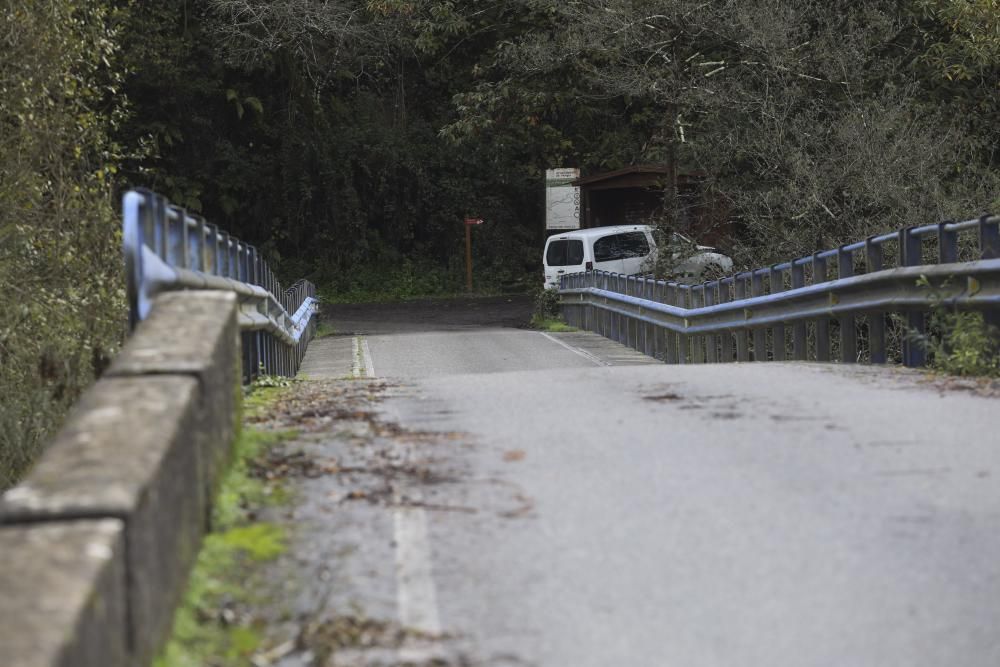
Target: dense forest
{"type": "Point", "coordinates": [348, 138]}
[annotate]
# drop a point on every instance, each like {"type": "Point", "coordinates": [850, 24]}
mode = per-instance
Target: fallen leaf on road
{"type": "Point", "coordinates": [663, 397]}
{"type": "Point", "coordinates": [514, 455]}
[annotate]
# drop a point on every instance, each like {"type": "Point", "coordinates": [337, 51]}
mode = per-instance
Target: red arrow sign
{"type": "Point", "coordinates": [473, 221]}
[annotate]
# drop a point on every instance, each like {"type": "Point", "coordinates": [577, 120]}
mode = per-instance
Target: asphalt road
{"type": "Point", "coordinates": [601, 510]}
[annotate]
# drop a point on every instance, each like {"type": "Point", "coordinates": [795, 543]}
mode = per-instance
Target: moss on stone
{"type": "Point", "coordinates": [208, 626]}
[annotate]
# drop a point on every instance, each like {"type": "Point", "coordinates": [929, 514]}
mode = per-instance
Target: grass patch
{"type": "Point", "coordinates": [325, 329]}
{"type": "Point", "coordinates": [546, 315]}
{"type": "Point", "coordinates": [264, 391]}
{"type": "Point", "coordinates": [209, 628]}
{"type": "Point", "coordinates": [553, 324]}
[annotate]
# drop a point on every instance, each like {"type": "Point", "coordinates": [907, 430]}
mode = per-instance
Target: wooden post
{"type": "Point", "coordinates": [468, 257]}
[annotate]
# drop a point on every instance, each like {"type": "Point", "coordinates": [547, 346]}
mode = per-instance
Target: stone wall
{"type": "Point", "coordinates": [98, 539]}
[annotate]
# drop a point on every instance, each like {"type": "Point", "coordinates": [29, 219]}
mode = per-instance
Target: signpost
{"type": "Point", "coordinates": [562, 200]}
{"type": "Point", "coordinates": [469, 223]}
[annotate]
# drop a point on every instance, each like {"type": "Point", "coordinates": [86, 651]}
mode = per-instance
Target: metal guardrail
{"type": "Point", "coordinates": [167, 248]}
{"type": "Point", "coordinates": [797, 306]}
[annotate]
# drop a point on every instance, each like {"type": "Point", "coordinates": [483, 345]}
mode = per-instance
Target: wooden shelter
{"type": "Point", "coordinates": [634, 195]}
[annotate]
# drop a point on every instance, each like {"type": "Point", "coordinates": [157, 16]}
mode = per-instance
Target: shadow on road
{"type": "Point", "coordinates": [462, 313]}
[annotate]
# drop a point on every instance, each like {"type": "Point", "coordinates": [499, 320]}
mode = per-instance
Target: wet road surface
{"type": "Point", "coordinates": [558, 500]}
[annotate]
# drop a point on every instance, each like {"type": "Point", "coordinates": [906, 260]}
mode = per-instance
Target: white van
{"type": "Point", "coordinates": [622, 249]}
{"type": "Point", "coordinates": [628, 249]}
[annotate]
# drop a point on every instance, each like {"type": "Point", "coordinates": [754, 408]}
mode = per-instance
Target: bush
{"type": "Point", "coordinates": [546, 305]}
{"type": "Point", "coordinates": [959, 343]}
{"type": "Point", "coordinates": [62, 313]}
{"type": "Point", "coordinates": [966, 346]}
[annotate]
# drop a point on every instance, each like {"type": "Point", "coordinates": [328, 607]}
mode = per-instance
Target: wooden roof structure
{"type": "Point", "coordinates": [634, 176]}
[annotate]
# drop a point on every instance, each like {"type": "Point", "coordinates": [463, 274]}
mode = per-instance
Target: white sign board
{"type": "Point", "coordinates": [562, 200]}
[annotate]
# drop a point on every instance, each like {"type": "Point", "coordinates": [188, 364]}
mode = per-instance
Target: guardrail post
{"type": "Point", "coordinates": [726, 337]}
{"type": "Point", "coordinates": [947, 243]}
{"type": "Point", "coordinates": [595, 312]}
{"type": "Point", "coordinates": [989, 248]}
{"type": "Point", "coordinates": [635, 283]}
{"type": "Point", "coordinates": [989, 238]}
{"type": "Point", "coordinates": [210, 251]}
{"type": "Point", "coordinates": [848, 329]}
{"type": "Point", "coordinates": [799, 351]}
{"type": "Point", "coordinates": [222, 251]}
{"type": "Point", "coordinates": [246, 352]}
{"type": "Point", "coordinates": [648, 334]}
{"type": "Point", "coordinates": [697, 342]}
{"type": "Point", "coordinates": [822, 323]}
{"type": "Point", "coordinates": [270, 363]}
{"type": "Point", "coordinates": [590, 311]}
{"type": "Point", "coordinates": [686, 296]}
{"type": "Point", "coordinates": [177, 238]}
{"type": "Point", "coordinates": [158, 231]}
{"type": "Point", "coordinates": [776, 281]}
{"type": "Point", "coordinates": [196, 240]}
{"type": "Point", "coordinates": [612, 317]}
{"type": "Point", "coordinates": [914, 353]}
{"type": "Point", "coordinates": [660, 333]}
{"type": "Point", "coordinates": [623, 320]}
{"type": "Point", "coordinates": [688, 342]}
{"type": "Point", "coordinates": [606, 316]}
{"type": "Point", "coordinates": [632, 332]}
{"type": "Point", "coordinates": [672, 342]}
{"type": "Point", "coordinates": [759, 333]}
{"type": "Point", "coordinates": [874, 262]}
{"type": "Point", "coordinates": [711, 341]}
{"type": "Point", "coordinates": [742, 337]}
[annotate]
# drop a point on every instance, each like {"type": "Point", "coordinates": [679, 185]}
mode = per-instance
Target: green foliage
{"type": "Point", "coordinates": [239, 489]}
{"type": "Point", "coordinates": [546, 315]}
{"type": "Point", "coordinates": [959, 343]}
{"type": "Point", "coordinates": [62, 315]}
{"type": "Point", "coordinates": [262, 381]}
{"type": "Point", "coordinates": [258, 397]}
{"type": "Point", "coordinates": [964, 37]}
{"type": "Point", "coordinates": [546, 304]}
{"type": "Point", "coordinates": [553, 325]}
{"type": "Point", "coordinates": [375, 284]}
{"type": "Point", "coordinates": [967, 347]}
{"type": "Point", "coordinates": [348, 139]}
{"type": "Point", "coordinates": [325, 329]}
{"type": "Point", "coordinates": [223, 577]}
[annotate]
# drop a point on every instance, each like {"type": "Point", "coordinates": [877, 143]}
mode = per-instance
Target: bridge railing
{"type": "Point", "coordinates": [833, 303]}
{"type": "Point", "coordinates": [168, 248]}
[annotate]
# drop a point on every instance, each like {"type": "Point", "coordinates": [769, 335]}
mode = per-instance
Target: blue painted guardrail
{"type": "Point", "coordinates": [845, 300]}
{"type": "Point", "coordinates": [168, 248]}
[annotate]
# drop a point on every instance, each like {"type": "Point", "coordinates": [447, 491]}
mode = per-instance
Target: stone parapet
{"type": "Point", "coordinates": [142, 450]}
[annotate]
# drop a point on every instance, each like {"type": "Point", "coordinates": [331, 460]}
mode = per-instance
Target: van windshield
{"type": "Point", "coordinates": [564, 253]}
{"type": "Point", "coordinates": [620, 246]}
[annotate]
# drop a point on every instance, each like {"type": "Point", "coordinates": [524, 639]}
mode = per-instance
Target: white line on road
{"type": "Point", "coordinates": [366, 354]}
{"type": "Point", "coordinates": [576, 350]}
{"type": "Point", "coordinates": [416, 596]}
{"type": "Point", "coordinates": [356, 356]}
{"type": "Point", "coordinates": [361, 363]}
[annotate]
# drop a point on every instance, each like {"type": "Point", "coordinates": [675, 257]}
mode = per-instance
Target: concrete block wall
{"type": "Point", "coordinates": [97, 541]}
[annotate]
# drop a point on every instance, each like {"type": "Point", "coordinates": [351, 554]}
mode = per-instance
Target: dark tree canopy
{"type": "Point", "coordinates": [348, 138]}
